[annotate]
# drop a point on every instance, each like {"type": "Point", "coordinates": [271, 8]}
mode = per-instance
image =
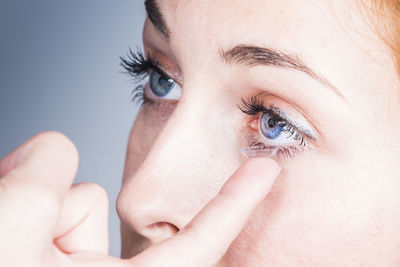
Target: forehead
{"type": "Point", "coordinates": [272, 21]}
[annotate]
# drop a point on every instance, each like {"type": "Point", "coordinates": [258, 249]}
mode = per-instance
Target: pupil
{"type": "Point", "coordinates": [160, 85]}
{"type": "Point", "coordinates": [271, 123]}
{"type": "Point", "coordinates": [271, 127]}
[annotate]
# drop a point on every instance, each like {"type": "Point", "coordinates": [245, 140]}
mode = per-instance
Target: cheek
{"type": "Point", "coordinates": [318, 213]}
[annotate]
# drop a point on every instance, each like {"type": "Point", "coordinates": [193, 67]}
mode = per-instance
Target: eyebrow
{"type": "Point", "coordinates": [260, 56]}
{"type": "Point", "coordinates": [155, 16]}
{"type": "Point", "coordinates": [247, 54]}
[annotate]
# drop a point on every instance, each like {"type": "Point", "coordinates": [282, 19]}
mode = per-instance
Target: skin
{"type": "Point", "coordinates": [48, 222]}
{"type": "Point", "coordinates": [335, 204]}
{"type": "Point", "coordinates": [188, 197]}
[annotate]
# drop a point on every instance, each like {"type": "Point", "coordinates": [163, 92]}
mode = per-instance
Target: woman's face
{"type": "Point", "coordinates": [309, 77]}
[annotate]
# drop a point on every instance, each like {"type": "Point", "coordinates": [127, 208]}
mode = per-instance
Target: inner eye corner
{"type": "Point", "coordinates": [254, 122]}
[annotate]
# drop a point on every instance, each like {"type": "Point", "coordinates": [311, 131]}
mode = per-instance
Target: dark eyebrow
{"type": "Point", "coordinates": [155, 16]}
{"type": "Point", "coordinates": [261, 56]}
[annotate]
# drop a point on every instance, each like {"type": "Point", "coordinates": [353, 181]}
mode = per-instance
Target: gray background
{"type": "Point", "coordinates": [59, 70]}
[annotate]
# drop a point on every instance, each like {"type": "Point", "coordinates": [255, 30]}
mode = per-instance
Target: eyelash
{"type": "Point", "coordinates": [254, 105]}
{"type": "Point", "coordinates": [138, 67]}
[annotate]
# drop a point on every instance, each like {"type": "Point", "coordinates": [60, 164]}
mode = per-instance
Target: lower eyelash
{"type": "Point", "coordinates": [289, 152]}
{"type": "Point", "coordinates": [138, 94]}
{"type": "Point", "coordinates": [140, 98]}
{"type": "Point", "coordinates": [285, 152]}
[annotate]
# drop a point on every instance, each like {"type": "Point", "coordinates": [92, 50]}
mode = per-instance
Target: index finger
{"type": "Point", "coordinates": [205, 240]}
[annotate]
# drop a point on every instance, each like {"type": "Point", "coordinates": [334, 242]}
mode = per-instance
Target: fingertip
{"type": "Point", "coordinates": [49, 140]}
{"type": "Point", "coordinates": [54, 147]}
{"type": "Point", "coordinates": [52, 139]}
{"type": "Point", "coordinates": [48, 161]}
{"type": "Point", "coordinates": [263, 163]}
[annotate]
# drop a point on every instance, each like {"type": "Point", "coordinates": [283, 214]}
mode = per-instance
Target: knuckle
{"type": "Point", "coordinates": [97, 193]}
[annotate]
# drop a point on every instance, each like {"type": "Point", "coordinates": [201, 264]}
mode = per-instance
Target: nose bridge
{"type": "Point", "coordinates": [176, 179]}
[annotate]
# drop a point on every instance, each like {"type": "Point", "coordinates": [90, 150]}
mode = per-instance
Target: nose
{"type": "Point", "coordinates": [181, 173]}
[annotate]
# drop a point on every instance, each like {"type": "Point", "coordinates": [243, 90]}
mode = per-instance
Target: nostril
{"type": "Point", "coordinates": [159, 231]}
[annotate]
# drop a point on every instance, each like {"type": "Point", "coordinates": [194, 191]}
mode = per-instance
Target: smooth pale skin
{"type": "Point", "coordinates": [335, 205]}
{"type": "Point", "coordinates": [47, 222]}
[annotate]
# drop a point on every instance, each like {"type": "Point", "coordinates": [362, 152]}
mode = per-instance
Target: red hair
{"type": "Point", "coordinates": [385, 16]}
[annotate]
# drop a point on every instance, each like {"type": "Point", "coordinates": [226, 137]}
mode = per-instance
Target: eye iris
{"type": "Point", "coordinates": [160, 85]}
{"type": "Point", "coordinates": [271, 127]}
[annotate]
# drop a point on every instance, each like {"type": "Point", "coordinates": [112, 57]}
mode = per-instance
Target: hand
{"type": "Point", "coordinates": [47, 222]}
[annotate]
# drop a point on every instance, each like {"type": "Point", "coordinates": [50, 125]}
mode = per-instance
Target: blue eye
{"type": "Point", "coordinates": [271, 127]}
{"type": "Point", "coordinates": [163, 86]}
{"type": "Point", "coordinates": [276, 131]}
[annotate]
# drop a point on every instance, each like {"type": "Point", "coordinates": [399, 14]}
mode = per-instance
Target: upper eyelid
{"type": "Point", "coordinates": [157, 66]}
{"type": "Point", "coordinates": [283, 116]}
